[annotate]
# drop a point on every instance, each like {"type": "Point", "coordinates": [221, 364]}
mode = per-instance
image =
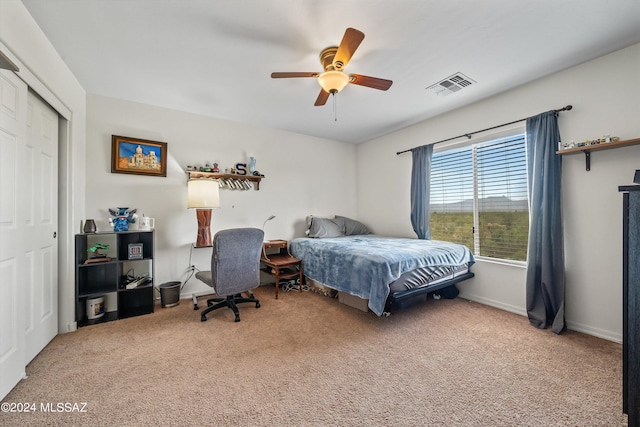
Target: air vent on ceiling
{"type": "Point", "coordinates": [451, 84]}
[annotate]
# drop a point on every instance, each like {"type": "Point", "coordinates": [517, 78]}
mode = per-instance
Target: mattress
{"type": "Point", "coordinates": [427, 276]}
{"type": "Point", "coordinates": [366, 265]}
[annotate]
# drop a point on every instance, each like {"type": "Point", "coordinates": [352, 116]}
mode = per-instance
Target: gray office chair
{"type": "Point", "coordinates": [235, 268]}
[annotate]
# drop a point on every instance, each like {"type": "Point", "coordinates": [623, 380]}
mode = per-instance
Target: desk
{"type": "Point", "coordinates": [280, 264]}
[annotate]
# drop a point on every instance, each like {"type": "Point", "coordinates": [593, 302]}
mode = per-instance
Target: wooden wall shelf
{"type": "Point", "coordinates": [227, 176]}
{"type": "Point", "coordinates": [587, 149]}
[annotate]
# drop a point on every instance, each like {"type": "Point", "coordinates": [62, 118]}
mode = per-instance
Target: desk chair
{"type": "Point", "coordinates": [235, 268]}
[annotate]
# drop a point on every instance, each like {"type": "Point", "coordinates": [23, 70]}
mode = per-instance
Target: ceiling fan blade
{"type": "Point", "coordinates": [373, 82]}
{"type": "Point", "coordinates": [286, 75]}
{"type": "Point", "coordinates": [350, 42]}
{"type": "Point", "coordinates": [322, 98]}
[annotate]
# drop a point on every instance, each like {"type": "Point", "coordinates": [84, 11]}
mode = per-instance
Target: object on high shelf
{"type": "Point", "coordinates": [147, 223]}
{"type": "Point", "coordinates": [241, 168]}
{"type": "Point", "coordinates": [252, 165]}
{"type": "Point", "coordinates": [135, 251]}
{"type": "Point", "coordinates": [636, 177]}
{"type": "Point", "coordinates": [588, 143]}
{"type": "Point", "coordinates": [123, 217]}
{"type": "Point", "coordinates": [215, 169]}
{"type": "Point", "coordinates": [89, 226]}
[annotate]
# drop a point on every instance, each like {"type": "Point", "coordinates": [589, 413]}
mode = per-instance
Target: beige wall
{"type": "Point", "coordinates": [303, 175]}
{"type": "Point", "coordinates": [604, 94]}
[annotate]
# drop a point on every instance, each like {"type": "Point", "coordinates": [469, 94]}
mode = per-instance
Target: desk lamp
{"type": "Point", "coordinates": [203, 195]}
{"type": "Point", "coordinates": [265, 222]}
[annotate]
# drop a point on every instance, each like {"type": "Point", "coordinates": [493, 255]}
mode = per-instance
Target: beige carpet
{"type": "Point", "coordinates": [306, 360]}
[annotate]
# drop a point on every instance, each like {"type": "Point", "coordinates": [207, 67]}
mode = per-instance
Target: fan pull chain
{"type": "Point", "coordinates": [335, 108]}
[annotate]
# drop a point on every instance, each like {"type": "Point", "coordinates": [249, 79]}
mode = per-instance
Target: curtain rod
{"type": "Point", "coordinates": [468, 135]}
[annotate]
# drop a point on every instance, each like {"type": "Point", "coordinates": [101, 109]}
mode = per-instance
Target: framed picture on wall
{"type": "Point", "coordinates": [138, 156]}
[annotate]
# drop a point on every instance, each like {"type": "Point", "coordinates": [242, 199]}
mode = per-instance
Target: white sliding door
{"type": "Point", "coordinates": [13, 111]}
{"type": "Point", "coordinates": [40, 278]}
{"type": "Point", "coordinates": [28, 223]}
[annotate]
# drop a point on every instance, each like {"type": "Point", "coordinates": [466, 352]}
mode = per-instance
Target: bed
{"type": "Point", "coordinates": [386, 271]}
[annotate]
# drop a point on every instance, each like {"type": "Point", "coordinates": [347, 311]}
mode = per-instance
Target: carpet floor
{"type": "Point", "coordinates": [307, 360]}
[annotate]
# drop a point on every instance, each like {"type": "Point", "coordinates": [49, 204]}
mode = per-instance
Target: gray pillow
{"type": "Point", "coordinates": [350, 226]}
{"type": "Point", "coordinates": [324, 227]}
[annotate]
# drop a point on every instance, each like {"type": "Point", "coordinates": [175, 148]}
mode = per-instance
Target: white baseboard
{"type": "Point", "coordinates": [71, 327]}
{"type": "Point", "coordinates": [574, 326]}
{"type": "Point", "coordinates": [189, 295]}
{"type": "Point", "coordinates": [596, 332]}
{"type": "Point", "coordinates": [493, 303]}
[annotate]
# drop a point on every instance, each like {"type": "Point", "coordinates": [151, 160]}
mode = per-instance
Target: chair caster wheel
{"type": "Point", "coordinates": [237, 319]}
{"type": "Point", "coordinates": [257, 305]}
{"type": "Point", "coordinates": [203, 319]}
{"type": "Point", "coordinates": [195, 307]}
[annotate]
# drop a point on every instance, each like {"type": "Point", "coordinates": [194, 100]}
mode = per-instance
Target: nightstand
{"type": "Point", "coordinates": [278, 262]}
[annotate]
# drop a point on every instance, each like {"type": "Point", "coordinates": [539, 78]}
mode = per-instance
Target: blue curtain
{"type": "Point", "coordinates": [545, 264]}
{"type": "Point", "coordinates": [420, 191]}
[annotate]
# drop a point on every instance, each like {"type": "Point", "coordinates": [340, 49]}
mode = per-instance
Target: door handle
{"type": "Point", "coordinates": [55, 234]}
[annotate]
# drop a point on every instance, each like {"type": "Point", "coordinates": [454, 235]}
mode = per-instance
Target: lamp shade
{"type": "Point", "coordinates": [203, 194]}
{"type": "Point", "coordinates": [333, 81]}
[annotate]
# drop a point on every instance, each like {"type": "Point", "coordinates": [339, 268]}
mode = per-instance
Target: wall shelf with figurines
{"type": "Point", "coordinates": [236, 178]}
{"type": "Point", "coordinates": [587, 147]}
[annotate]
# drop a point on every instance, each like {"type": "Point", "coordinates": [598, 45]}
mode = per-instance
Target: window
{"type": "Point", "coordinates": [479, 198]}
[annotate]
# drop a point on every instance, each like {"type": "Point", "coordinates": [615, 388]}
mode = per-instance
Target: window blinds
{"type": "Point", "coordinates": [479, 198]}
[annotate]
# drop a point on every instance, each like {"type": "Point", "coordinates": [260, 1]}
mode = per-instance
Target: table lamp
{"type": "Point", "coordinates": [203, 195]}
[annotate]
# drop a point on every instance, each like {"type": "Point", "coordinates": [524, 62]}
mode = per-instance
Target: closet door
{"type": "Point", "coordinates": [28, 228]}
{"type": "Point", "coordinates": [13, 259]}
{"type": "Point", "coordinates": [40, 220]}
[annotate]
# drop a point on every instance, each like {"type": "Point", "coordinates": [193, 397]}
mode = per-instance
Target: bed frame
{"type": "Point", "coordinates": [403, 299]}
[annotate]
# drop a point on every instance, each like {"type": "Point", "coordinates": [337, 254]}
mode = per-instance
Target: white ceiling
{"type": "Point", "coordinates": [215, 57]}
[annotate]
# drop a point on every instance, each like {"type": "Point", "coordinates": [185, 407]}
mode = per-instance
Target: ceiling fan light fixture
{"type": "Point", "coordinates": [333, 81]}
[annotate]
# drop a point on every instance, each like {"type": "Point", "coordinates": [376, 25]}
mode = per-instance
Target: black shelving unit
{"type": "Point", "coordinates": [631, 303]}
{"type": "Point", "coordinates": [108, 278]}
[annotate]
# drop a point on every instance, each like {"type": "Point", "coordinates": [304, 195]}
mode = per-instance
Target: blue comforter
{"type": "Point", "coordinates": [365, 265]}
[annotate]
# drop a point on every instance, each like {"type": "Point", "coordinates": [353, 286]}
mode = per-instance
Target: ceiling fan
{"type": "Point", "coordinates": [333, 60]}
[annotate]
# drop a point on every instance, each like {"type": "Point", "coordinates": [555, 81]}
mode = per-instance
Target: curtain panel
{"type": "Point", "coordinates": [545, 283]}
{"type": "Point", "coordinates": [420, 190]}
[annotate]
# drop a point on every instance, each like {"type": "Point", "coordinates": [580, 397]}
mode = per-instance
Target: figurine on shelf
{"type": "Point", "coordinates": [97, 254]}
{"type": "Point", "coordinates": [97, 250]}
{"type": "Point", "coordinates": [252, 165]}
{"type": "Point", "coordinates": [123, 217]}
{"type": "Point", "coordinates": [215, 168]}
